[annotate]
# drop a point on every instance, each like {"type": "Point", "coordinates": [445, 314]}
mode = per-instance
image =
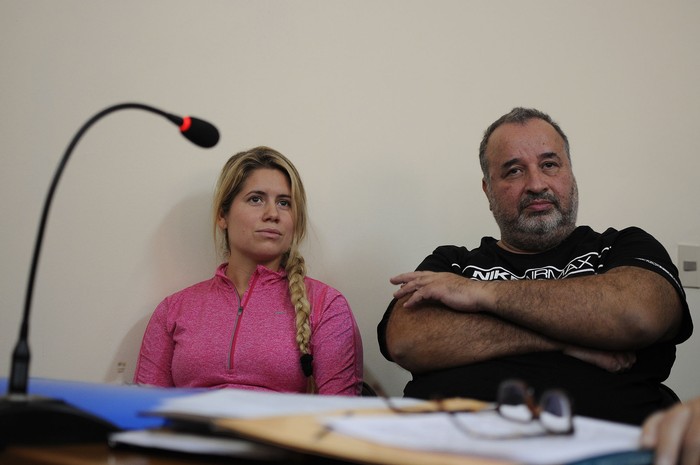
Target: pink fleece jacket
{"type": "Point", "coordinates": [203, 336]}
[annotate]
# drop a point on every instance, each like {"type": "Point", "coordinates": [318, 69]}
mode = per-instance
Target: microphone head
{"type": "Point", "coordinates": [199, 132]}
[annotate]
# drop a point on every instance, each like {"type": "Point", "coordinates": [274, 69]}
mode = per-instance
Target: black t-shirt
{"type": "Point", "coordinates": [627, 397]}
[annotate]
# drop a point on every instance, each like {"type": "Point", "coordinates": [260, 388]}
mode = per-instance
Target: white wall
{"type": "Point", "coordinates": [381, 105]}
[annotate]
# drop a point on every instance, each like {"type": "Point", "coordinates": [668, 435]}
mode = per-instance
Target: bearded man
{"type": "Point", "coordinates": [598, 315]}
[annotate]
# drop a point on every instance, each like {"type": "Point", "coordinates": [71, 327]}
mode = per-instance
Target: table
{"type": "Point", "coordinates": [88, 454]}
{"type": "Point", "coordinates": [102, 454]}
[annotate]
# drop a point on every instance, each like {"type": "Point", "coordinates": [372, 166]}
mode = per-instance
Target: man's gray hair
{"type": "Point", "coordinates": [517, 115]}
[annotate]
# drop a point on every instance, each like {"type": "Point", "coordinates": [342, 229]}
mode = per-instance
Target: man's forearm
{"type": "Point", "coordinates": [625, 309]}
{"type": "Point", "coordinates": [431, 337]}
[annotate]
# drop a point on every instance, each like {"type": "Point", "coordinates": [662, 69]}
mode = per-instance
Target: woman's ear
{"type": "Point", "coordinates": [221, 222]}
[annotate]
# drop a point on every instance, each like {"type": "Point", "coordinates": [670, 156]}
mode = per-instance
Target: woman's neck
{"type": "Point", "coordinates": [240, 276]}
{"type": "Point", "coordinates": [240, 272]}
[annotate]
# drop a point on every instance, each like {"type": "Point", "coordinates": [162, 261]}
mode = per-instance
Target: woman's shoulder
{"type": "Point", "coordinates": [315, 286]}
{"type": "Point", "coordinates": [197, 290]}
{"type": "Point", "coordinates": [319, 292]}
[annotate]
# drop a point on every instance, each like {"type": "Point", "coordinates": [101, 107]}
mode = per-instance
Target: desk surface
{"type": "Point", "coordinates": [89, 454]}
{"type": "Point", "coordinates": [102, 454]}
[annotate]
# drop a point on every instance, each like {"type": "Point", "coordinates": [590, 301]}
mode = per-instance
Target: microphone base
{"type": "Point", "coordinates": [29, 419]}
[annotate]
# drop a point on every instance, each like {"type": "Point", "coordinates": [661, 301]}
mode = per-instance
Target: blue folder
{"type": "Point", "coordinates": [121, 405]}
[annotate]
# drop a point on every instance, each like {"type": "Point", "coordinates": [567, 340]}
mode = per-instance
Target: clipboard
{"type": "Point", "coordinates": [304, 434]}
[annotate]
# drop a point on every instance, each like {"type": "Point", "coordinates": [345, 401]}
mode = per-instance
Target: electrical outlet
{"type": "Point", "coordinates": [689, 265]}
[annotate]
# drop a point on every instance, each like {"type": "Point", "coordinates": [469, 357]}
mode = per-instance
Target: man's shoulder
{"type": "Point", "coordinates": [610, 235]}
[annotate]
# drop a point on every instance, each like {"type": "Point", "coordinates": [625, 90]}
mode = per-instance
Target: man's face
{"type": "Point", "coordinates": [531, 188]}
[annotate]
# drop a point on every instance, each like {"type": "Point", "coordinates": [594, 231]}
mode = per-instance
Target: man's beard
{"type": "Point", "coordinates": [539, 231]}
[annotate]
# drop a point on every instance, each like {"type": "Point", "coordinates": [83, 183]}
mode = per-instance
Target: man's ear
{"type": "Point", "coordinates": [485, 188]}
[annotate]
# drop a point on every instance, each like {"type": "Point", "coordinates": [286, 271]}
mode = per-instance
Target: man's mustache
{"type": "Point", "coordinates": [530, 198]}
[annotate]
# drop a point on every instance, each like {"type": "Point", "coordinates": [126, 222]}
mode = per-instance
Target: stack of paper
{"type": "Point", "coordinates": [300, 422]}
{"type": "Point", "coordinates": [240, 403]}
{"type": "Point", "coordinates": [438, 433]}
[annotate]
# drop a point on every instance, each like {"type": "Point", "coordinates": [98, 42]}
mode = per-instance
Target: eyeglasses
{"type": "Point", "coordinates": [551, 415]}
{"type": "Point", "coordinates": [515, 403]}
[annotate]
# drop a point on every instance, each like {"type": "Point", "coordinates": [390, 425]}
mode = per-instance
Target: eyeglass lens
{"type": "Point", "coordinates": [555, 412]}
{"type": "Point", "coordinates": [516, 402]}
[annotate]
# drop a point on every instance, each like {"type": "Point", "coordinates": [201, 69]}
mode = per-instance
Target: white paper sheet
{"type": "Point", "coordinates": [436, 432]}
{"type": "Point", "coordinates": [240, 403]}
{"type": "Point", "coordinates": [195, 444]}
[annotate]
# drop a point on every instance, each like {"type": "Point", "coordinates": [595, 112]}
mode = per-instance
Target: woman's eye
{"type": "Point", "coordinates": [285, 203]}
{"type": "Point", "coordinates": [255, 199]}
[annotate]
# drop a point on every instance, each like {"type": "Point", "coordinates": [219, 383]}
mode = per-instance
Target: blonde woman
{"type": "Point", "coordinates": [260, 322]}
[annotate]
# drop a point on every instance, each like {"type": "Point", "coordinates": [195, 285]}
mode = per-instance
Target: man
{"type": "Point", "coordinates": [550, 303]}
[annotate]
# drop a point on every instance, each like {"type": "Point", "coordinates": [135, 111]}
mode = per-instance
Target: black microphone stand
{"type": "Point", "coordinates": [30, 419]}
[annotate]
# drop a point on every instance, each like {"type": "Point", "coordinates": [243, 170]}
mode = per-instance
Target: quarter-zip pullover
{"type": "Point", "coordinates": [208, 336]}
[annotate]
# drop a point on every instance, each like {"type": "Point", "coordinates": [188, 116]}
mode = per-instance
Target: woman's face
{"type": "Point", "coordinates": [260, 223]}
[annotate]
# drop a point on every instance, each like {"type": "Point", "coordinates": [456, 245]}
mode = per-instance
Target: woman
{"type": "Point", "coordinates": [259, 323]}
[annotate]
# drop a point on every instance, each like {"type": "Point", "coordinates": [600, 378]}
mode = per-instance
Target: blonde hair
{"type": "Point", "coordinates": [231, 180]}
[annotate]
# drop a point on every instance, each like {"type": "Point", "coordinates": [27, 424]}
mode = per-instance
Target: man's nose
{"type": "Point", "coordinates": [536, 182]}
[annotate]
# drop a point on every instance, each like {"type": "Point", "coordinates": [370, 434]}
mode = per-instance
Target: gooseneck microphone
{"type": "Point", "coordinates": [28, 419]}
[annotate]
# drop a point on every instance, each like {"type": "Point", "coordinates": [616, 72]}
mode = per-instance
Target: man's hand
{"type": "Point", "coordinates": [614, 362]}
{"type": "Point", "coordinates": [449, 289]}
